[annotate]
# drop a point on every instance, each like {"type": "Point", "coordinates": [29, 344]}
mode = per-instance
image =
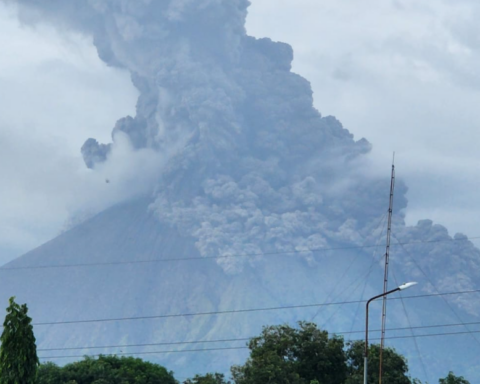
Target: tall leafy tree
{"type": "Point", "coordinates": [18, 352]}
{"type": "Point", "coordinates": [395, 367]}
{"type": "Point", "coordinates": [209, 378]}
{"type": "Point", "coordinates": [307, 355]}
{"type": "Point", "coordinates": [452, 379]}
{"type": "Point", "coordinates": [286, 355]}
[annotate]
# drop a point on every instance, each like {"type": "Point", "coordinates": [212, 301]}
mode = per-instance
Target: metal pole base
{"type": "Point", "coordinates": [365, 369]}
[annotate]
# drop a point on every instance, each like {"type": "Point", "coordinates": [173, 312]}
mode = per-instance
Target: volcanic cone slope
{"type": "Point", "coordinates": [124, 263]}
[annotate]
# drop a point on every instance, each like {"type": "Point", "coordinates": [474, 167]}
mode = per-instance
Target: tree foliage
{"type": "Point", "coordinates": [18, 352]}
{"type": "Point", "coordinates": [209, 378]}
{"type": "Point", "coordinates": [285, 355]}
{"type": "Point", "coordinates": [306, 355]}
{"type": "Point", "coordinates": [395, 367]}
{"type": "Point", "coordinates": [105, 370]}
{"type": "Point", "coordinates": [280, 355]}
{"type": "Point", "coordinates": [452, 379]}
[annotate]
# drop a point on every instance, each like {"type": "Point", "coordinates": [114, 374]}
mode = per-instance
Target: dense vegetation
{"type": "Point", "coordinates": [307, 355]}
{"type": "Point", "coordinates": [209, 378]}
{"type": "Point", "coordinates": [105, 370]}
{"type": "Point", "coordinates": [285, 355]}
{"type": "Point", "coordinates": [280, 355]}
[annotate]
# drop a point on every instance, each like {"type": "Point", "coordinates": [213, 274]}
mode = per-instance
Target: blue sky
{"type": "Point", "coordinates": [399, 73]}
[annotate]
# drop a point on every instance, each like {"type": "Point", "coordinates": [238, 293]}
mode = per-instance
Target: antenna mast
{"type": "Point", "coordinates": [387, 261]}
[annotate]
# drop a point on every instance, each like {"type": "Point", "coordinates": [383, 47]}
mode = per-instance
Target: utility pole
{"type": "Point", "coordinates": [387, 262]}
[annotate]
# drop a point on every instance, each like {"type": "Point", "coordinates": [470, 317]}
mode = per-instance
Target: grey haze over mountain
{"type": "Point", "coordinates": [231, 158]}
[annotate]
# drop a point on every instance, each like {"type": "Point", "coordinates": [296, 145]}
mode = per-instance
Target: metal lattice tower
{"type": "Point", "coordinates": [385, 278]}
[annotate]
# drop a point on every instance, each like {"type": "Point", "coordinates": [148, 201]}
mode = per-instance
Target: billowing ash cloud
{"type": "Point", "coordinates": [252, 167]}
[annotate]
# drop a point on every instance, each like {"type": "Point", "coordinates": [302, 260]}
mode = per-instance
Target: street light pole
{"type": "Point", "coordinates": [365, 361]}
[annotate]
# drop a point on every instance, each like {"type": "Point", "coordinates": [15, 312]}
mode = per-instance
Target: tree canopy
{"type": "Point", "coordinates": [18, 352]}
{"type": "Point", "coordinates": [286, 355]}
{"type": "Point", "coordinates": [279, 355]}
{"type": "Point", "coordinates": [395, 367]}
{"type": "Point", "coordinates": [452, 379]}
{"type": "Point", "coordinates": [105, 370]}
{"type": "Point", "coordinates": [209, 378]}
{"type": "Point", "coordinates": [305, 355]}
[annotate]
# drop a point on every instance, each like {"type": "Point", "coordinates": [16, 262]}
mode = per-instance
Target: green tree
{"type": "Point", "coordinates": [18, 353]}
{"type": "Point", "coordinates": [209, 378]}
{"type": "Point", "coordinates": [49, 373]}
{"type": "Point", "coordinates": [105, 370]}
{"type": "Point", "coordinates": [395, 367]}
{"type": "Point", "coordinates": [286, 355]}
{"type": "Point", "coordinates": [452, 379]}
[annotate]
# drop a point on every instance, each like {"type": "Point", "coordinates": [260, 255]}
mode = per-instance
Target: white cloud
{"type": "Point", "coordinates": [55, 94]}
{"type": "Point", "coordinates": [57, 86]}
{"type": "Point", "coordinates": [43, 186]}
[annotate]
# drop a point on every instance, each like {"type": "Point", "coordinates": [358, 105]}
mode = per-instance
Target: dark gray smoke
{"type": "Point", "coordinates": [252, 166]}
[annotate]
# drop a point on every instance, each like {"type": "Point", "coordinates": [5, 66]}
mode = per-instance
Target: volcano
{"type": "Point", "coordinates": [259, 203]}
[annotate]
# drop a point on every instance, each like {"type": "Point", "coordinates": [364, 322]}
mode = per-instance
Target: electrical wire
{"type": "Point", "coordinates": [370, 270]}
{"type": "Point", "coordinates": [414, 327]}
{"type": "Point", "coordinates": [145, 353]}
{"type": "Point", "coordinates": [245, 338]}
{"type": "Point", "coordinates": [419, 355]}
{"type": "Point", "coordinates": [362, 278]}
{"type": "Point", "coordinates": [237, 348]}
{"type": "Point", "coordinates": [429, 335]}
{"type": "Point", "coordinates": [241, 310]}
{"type": "Point", "coordinates": [147, 344]}
{"type": "Point", "coordinates": [313, 250]}
{"type": "Point", "coordinates": [436, 289]}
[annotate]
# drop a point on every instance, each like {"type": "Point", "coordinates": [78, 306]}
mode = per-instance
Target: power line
{"type": "Point", "coordinates": [413, 327]}
{"type": "Point", "coordinates": [238, 348]}
{"type": "Point", "coordinates": [361, 278]}
{"type": "Point", "coordinates": [365, 283]}
{"type": "Point", "coordinates": [246, 338]}
{"type": "Point", "coordinates": [411, 331]}
{"type": "Point", "coordinates": [430, 335]}
{"type": "Point", "coordinates": [313, 250]}
{"type": "Point", "coordinates": [148, 353]}
{"type": "Point", "coordinates": [133, 318]}
{"type": "Point", "coordinates": [436, 289]}
{"type": "Point", "coordinates": [197, 313]}
{"type": "Point", "coordinates": [147, 344]}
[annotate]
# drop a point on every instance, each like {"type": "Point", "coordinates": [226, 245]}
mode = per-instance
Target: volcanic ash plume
{"type": "Point", "coordinates": [252, 166]}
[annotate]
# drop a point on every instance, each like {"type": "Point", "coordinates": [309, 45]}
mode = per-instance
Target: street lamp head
{"type": "Point", "coordinates": [407, 285]}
